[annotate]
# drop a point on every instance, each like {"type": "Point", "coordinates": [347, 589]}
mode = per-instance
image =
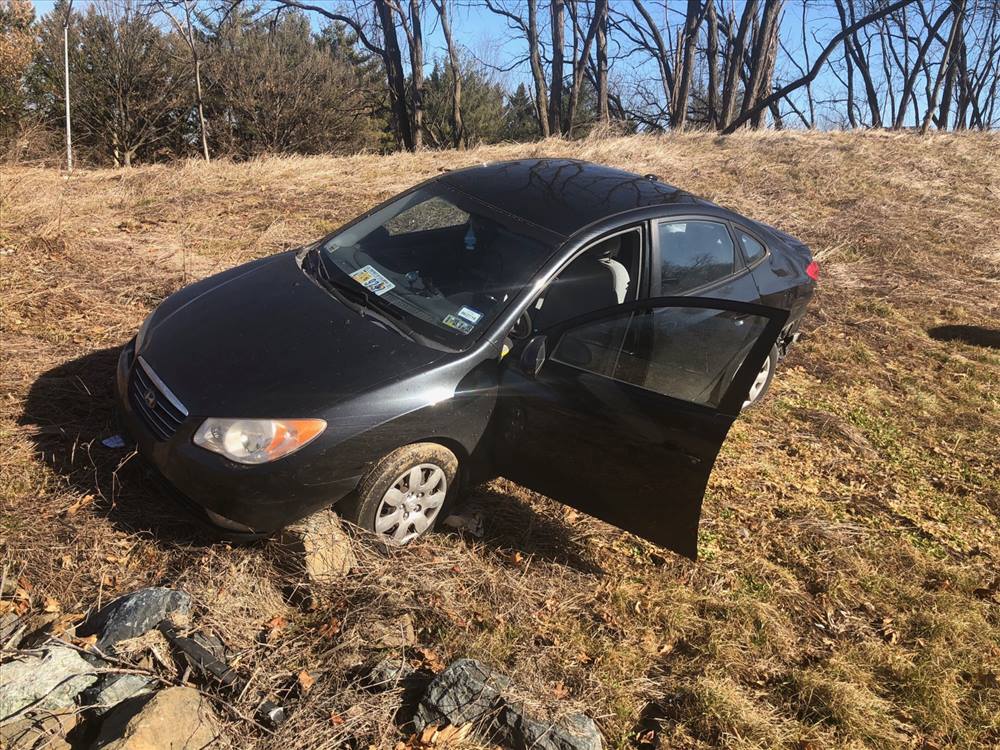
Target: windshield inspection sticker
{"type": "Point", "coordinates": [473, 316]}
{"type": "Point", "coordinates": [453, 321]}
{"type": "Point", "coordinates": [372, 280]}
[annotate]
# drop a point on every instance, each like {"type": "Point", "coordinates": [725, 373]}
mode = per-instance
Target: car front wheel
{"type": "Point", "coordinates": [403, 495]}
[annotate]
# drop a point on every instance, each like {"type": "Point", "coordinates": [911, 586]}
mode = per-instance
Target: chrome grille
{"type": "Point", "coordinates": [153, 402]}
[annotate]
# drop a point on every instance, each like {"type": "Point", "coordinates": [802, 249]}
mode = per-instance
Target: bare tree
{"type": "Point", "coordinates": [181, 13]}
{"type": "Point", "coordinates": [526, 24]}
{"type": "Point", "coordinates": [389, 52]}
{"type": "Point", "coordinates": [441, 6]}
{"type": "Point", "coordinates": [557, 10]}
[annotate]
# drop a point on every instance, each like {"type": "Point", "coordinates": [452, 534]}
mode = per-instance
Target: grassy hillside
{"type": "Point", "coordinates": [847, 592]}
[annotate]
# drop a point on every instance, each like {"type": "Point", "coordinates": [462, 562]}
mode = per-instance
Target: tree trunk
{"type": "Point", "coordinates": [956, 25]}
{"type": "Point", "coordinates": [537, 73]}
{"type": "Point", "coordinates": [713, 64]}
{"type": "Point", "coordinates": [581, 52]}
{"type": "Point", "coordinates": [416, 40]}
{"type": "Point", "coordinates": [661, 53]}
{"type": "Point", "coordinates": [394, 73]}
{"type": "Point", "coordinates": [458, 135]}
{"type": "Point", "coordinates": [735, 64]}
{"type": "Point", "coordinates": [761, 61]}
{"type": "Point", "coordinates": [944, 111]}
{"type": "Point", "coordinates": [692, 21]}
{"type": "Point", "coordinates": [201, 108]}
{"type": "Point", "coordinates": [824, 55]}
{"type": "Point", "coordinates": [907, 94]}
{"type": "Point", "coordinates": [603, 113]}
{"type": "Point", "coordinates": [558, 12]}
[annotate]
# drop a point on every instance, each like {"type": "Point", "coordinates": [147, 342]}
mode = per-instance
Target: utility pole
{"type": "Point", "coordinates": [69, 132]}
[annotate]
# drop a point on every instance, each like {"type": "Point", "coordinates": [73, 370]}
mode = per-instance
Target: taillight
{"type": "Point", "coordinates": [812, 271]}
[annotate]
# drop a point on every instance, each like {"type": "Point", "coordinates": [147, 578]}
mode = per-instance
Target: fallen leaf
{"type": "Point", "coordinates": [336, 719]}
{"type": "Point", "coordinates": [51, 604]}
{"type": "Point", "coordinates": [86, 643]}
{"type": "Point", "coordinates": [560, 691]}
{"type": "Point", "coordinates": [306, 681]}
{"type": "Point", "coordinates": [83, 502]}
{"type": "Point", "coordinates": [427, 736]}
{"type": "Point", "coordinates": [330, 628]}
{"type": "Point", "coordinates": [431, 660]}
{"type": "Point", "coordinates": [275, 625]}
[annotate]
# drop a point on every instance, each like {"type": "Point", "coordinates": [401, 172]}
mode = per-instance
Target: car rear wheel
{"type": "Point", "coordinates": [404, 494]}
{"type": "Point", "coordinates": [762, 382]}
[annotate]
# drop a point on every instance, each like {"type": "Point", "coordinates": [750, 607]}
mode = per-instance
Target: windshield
{"type": "Point", "coordinates": [443, 261]}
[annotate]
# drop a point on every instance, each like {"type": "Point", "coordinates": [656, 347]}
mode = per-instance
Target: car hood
{"type": "Point", "coordinates": [263, 340]}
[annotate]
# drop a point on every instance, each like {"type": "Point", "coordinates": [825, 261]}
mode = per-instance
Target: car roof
{"type": "Point", "coordinates": [561, 195]}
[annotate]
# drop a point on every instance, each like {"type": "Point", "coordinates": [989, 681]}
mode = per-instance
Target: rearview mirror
{"type": "Point", "coordinates": [533, 356]}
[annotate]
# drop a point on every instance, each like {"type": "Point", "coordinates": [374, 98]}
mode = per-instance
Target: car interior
{"type": "Point", "coordinates": [604, 275]}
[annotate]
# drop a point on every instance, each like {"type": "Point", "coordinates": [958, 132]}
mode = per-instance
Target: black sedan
{"type": "Point", "coordinates": [589, 333]}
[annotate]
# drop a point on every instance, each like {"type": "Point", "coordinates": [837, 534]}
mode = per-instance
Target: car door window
{"type": "Point", "coordinates": [604, 275]}
{"type": "Point", "coordinates": [752, 249]}
{"type": "Point", "coordinates": [693, 253]}
{"type": "Point", "coordinates": [688, 353]}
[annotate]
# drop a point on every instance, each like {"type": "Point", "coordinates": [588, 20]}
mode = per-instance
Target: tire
{"type": "Point", "coordinates": [758, 388]}
{"type": "Point", "coordinates": [404, 515]}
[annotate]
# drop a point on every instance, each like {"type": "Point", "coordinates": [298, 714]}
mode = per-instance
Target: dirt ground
{"type": "Point", "coordinates": [847, 592]}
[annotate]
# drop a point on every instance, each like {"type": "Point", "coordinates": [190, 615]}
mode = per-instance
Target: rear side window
{"type": "Point", "coordinates": [752, 249]}
{"type": "Point", "coordinates": [693, 254]}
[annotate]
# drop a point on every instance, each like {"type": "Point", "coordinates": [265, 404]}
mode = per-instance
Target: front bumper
{"type": "Point", "coordinates": [264, 498]}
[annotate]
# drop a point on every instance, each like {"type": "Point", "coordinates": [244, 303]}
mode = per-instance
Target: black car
{"type": "Point", "coordinates": [589, 333]}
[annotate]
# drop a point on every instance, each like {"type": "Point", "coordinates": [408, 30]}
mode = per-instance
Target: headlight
{"type": "Point", "coordinates": [256, 441]}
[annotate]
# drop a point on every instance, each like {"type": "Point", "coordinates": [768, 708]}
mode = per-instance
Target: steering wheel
{"type": "Point", "coordinates": [522, 328]}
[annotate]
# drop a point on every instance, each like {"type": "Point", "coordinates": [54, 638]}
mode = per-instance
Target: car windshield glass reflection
{"type": "Point", "coordinates": [447, 264]}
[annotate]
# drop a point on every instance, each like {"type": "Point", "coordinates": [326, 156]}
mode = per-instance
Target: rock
{"type": "Point", "coordinates": [46, 681]}
{"type": "Point", "coordinates": [470, 692]}
{"type": "Point", "coordinates": [112, 689]}
{"type": "Point", "coordinates": [48, 732]}
{"type": "Point", "coordinates": [132, 615]}
{"type": "Point", "coordinates": [396, 634]}
{"type": "Point", "coordinates": [571, 732]}
{"type": "Point", "coordinates": [177, 718]}
{"type": "Point", "coordinates": [37, 629]}
{"type": "Point", "coordinates": [325, 548]}
{"type": "Point", "coordinates": [469, 523]}
{"type": "Point", "coordinates": [12, 628]}
{"type": "Point", "coordinates": [388, 672]}
{"type": "Point", "coordinates": [467, 691]}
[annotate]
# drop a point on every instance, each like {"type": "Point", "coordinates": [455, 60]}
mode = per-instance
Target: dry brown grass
{"type": "Point", "coordinates": [846, 594]}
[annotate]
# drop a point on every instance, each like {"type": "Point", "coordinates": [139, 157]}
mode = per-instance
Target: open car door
{"type": "Point", "coordinates": [621, 412]}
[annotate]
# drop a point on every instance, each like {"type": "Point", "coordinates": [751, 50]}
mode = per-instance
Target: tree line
{"type": "Point", "coordinates": [153, 80]}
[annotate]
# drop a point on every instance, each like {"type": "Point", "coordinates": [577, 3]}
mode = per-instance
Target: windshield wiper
{"type": "Point", "coordinates": [358, 298]}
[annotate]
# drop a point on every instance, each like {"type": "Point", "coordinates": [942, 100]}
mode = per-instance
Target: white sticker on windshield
{"type": "Point", "coordinates": [453, 321]}
{"type": "Point", "coordinates": [370, 278]}
{"type": "Point", "coordinates": [473, 316]}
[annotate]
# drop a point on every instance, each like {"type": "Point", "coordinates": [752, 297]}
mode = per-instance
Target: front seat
{"type": "Point", "coordinates": [587, 284]}
{"type": "Point", "coordinates": [609, 250]}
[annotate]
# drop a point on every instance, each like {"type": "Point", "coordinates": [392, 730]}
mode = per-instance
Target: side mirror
{"type": "Point", "coordinates": [533, 356]}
